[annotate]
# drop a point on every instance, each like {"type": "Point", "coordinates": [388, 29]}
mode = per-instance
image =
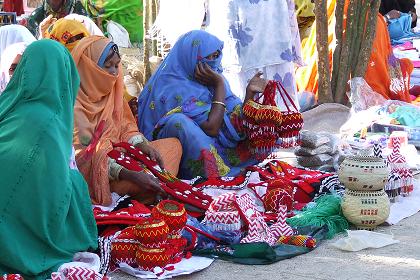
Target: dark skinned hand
{"type": "Point", "coordinates": [143, 180]}
{"type": "Point", "coordinates": [206, 76]}
{"type": "Point", "coordinates": [151, 152]}
{"type": "Point", "coordinates": [255, 85]}
{"type": "Point", "coordinates": [394, 14]}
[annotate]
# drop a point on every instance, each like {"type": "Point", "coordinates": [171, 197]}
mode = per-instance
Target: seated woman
{"type": "Point", "coordinates": [394, 78]}
{"type": "Point", "coordinates": [50, 11]}
{"type": "Point", "coordinates": [68, 32]}
{"type": "Point", "coordinates": [12, 34]}
{"type": "Point", "coordinates": [188, 98]}
{"type": "Point", "coordinates": [10, 58]}
{"type": "Point", "coordinates": [392, 9]}
{"type": "Point", "coordinates": [13, 41]}
{"type": "Point", "coordinates": [100, 100]}
{"type": "Point", "coordinates": [45, 212]}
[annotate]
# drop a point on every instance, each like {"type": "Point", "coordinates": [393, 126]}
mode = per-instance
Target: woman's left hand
{"type": "Point", "coordinates": [151, 152]}
{"type": "Point", "coordinates": [255, 85]}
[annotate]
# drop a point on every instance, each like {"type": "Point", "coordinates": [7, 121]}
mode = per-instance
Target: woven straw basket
{"type": "Point", "coordinates": [365, 209]}
{"type": "Point", "coordinates": [363, 173]}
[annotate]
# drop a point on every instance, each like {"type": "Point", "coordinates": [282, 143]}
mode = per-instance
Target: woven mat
{"type": "Point", "coordinates": [328, 117]}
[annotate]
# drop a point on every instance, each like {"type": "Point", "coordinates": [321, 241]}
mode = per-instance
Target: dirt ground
{"type": "Point", "coordinates": [398, 261]}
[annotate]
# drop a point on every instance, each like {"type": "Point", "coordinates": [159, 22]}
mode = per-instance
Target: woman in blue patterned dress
{"type": "Point", "coordinates": [188, 98]}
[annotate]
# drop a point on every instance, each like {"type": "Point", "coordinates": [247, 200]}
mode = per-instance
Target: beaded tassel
{"type": "Point", "coordinates": [298, 240]}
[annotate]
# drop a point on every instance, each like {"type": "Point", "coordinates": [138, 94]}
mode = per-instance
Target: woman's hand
{"type": "Point", "coordinates": [45, 24]}
{"type": "Point", "coordinates": [206, 76]}
{"type": "Point", "coordinates": [142, 180]}
{"type": "Point", "coordinates": [151, 152]}
{"type": "Point", "coordinates": [394, 14]}
{"type": "Point", "coordinates": [255, 85]}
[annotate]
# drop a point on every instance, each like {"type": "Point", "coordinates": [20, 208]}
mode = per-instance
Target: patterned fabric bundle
{"type": "Point", "coordinates": [77, 273]}
{"type": "Point", "coordinates": [298, 240]}
{"type": "Point", "coordinates": [257, 229]}
{"type": "Point", "coordinates": [134, 159]}
{"type": "Point", "coordinates": [261, 121]}
{"type": "Point", "coordinates": [398, 164]}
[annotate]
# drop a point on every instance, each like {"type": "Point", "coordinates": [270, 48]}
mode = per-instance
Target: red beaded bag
{"type": "Point", "coordinates": [261, 121]}
{"type": "Point", "coordinates": [292, 123]}
{"type": "Point", "coordinates": [266, 126]}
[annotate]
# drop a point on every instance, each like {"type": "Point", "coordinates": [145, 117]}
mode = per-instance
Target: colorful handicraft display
{"type": "Point", "coordinates": [399, 166]}
{"type": "Point", "coordinates": [288, 185]}
{"type": "Point", "coordinates": [134, 159]}
{"type": "Point", "coordinates": [154, 241]}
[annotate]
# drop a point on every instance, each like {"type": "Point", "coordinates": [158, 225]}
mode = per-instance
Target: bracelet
{"type": "Point", "coordinates": [220, 103]}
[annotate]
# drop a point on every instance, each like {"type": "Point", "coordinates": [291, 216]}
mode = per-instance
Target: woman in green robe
{"type": "Point", "coordinates": [45, 210]}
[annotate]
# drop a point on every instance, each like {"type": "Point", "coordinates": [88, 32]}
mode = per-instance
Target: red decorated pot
{"type": "Point", "coordinates": [149, 258]}
{"type": "Point", "coordinates": [152, 232]}
{"type": "Point", "coordinates": [124, 251]}
{"type": "Point", "coordinates": [173, 213]}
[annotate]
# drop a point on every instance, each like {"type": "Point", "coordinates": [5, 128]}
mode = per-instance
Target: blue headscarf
{"type": "Point", "coordinates": [173, 87]}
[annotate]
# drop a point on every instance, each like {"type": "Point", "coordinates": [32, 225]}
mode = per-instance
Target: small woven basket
{"type": "Point", "coordinates": [363, 173]}
{"type": "Point", "coordinates": [365, 209]}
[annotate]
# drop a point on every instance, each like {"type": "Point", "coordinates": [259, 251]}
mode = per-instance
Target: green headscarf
{"type": "Point", "coordinates": [45, 210]}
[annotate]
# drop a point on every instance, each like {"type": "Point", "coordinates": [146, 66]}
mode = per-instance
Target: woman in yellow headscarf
{"type": "Point", "coordinates": [67, 32]}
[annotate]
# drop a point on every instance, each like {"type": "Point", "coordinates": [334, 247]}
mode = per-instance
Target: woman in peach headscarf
{"type": "Point", "coordinates": [102, 116]}
{"type": "Point", "coordinates": [385, 74]}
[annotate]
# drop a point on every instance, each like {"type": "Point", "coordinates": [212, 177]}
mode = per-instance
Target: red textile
{"type": "Point", "coordinates": [14, 6]}
{"type": "Point", "coordinates": [134, 159]}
